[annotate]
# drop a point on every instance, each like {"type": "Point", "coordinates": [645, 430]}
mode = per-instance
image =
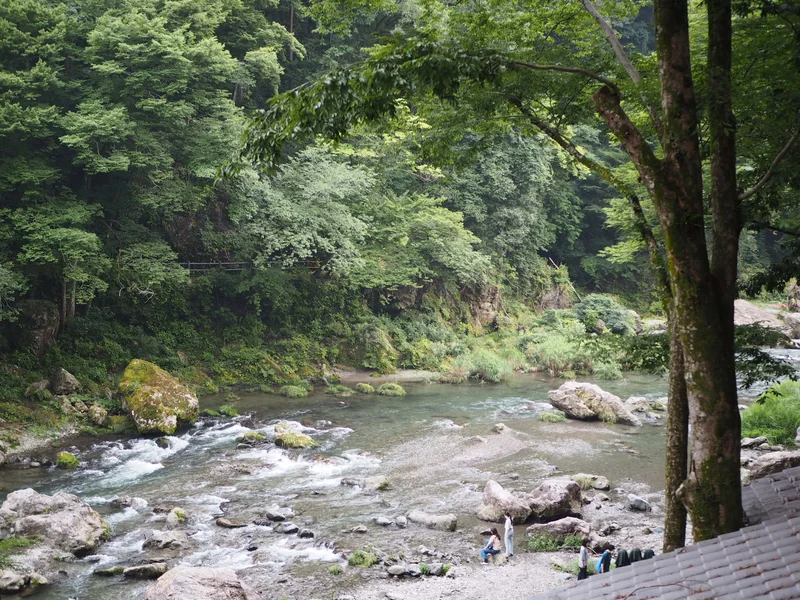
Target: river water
{"type": "Point", "coordinates": [435, 445]}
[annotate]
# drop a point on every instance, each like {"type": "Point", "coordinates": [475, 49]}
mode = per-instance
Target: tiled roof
{"type": "Point", "coordinates": [760, 562]}
{"type": "Point", "coordinates": [773, 496]}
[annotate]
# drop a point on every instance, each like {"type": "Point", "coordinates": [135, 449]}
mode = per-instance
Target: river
{"type": "Point", "coordinates": [435, 445]}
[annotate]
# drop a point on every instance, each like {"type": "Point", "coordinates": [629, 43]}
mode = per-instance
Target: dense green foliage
{"type": "Point", "coordinates": [776, 415]}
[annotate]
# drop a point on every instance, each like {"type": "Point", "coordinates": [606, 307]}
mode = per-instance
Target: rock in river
{"type": "Point", "coordinates": [160, 540]}
{"type": "Point", "coordinates": [587, 402]}
{"type": "Point", "coordinates": [156, 401]}
{"type": "Point", "coordinates": [148, 571]}
{"type": "Point", "coordinates": [556, 498]}
{"type": "Point", "coordinates": [446, 522]}
{"type": "Point", "coordinates": [497, 501]}
{"type": "Point", "coordinates": [200, 583]}
{"type": "Point", "coordinates": [60, 521]}
{"type": "Point", "coordinates": [230, 523]}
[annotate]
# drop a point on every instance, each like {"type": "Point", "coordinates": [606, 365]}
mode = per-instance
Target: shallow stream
{"type": "Point", "coordinates": [428, 444]}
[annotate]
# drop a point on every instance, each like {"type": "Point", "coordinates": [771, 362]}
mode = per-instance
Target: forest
{"type": "Point", "coordinates": [250, 193]}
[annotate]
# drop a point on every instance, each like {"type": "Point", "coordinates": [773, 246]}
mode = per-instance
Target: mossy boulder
{"type": "Point", "coordinates": [121, 423]}
{"type": "Point", "coordinates": [155, 400]}
{"type": "Point", "coordinates": [338, 390]}
{"type": "Point", "coordinates": [252, 437]}
{"type": "Point", "coordinates": [67, 460]}
{"type": "Point", "coordinates": [391, 389]}
{"type": "Point", "coordinates": [365, 388]}
{"type": "Point", "coordinates": [294, 440]}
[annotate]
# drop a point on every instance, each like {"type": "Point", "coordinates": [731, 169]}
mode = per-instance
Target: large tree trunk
{"type": "Point", "coordinates": [712, 491]}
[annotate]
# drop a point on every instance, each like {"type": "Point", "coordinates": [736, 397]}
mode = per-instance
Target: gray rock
{"type": "Point", "coordinates": [2, 458]}
{"type": "Point", "coordinates": [39, 390]}
{"type": "Point", "coordinates": [377, 483]}
{"type": "Point", "coordinates": [230, 523]}
{"type": "Point", "coordinates": [276, 515]}
{"type": "Point", "coordinates": [499, 428]}
{"type": "Point", "coordinates": [11, 582]}
{"type": "Point", "coordinates": [747, 313]}
{"type": "Point", "coordinates": [286, 527]}
{"type": "Point", "coordinates": [64, 383]}
{"type": "Point", "coordinates": [436, 569]}
{"type": "Point", "coordinates": [351, 482]}
{"type": "Point", "coordinates": [175, 518]}
{"type": "Point", "coordinates": [586, 401]}
{"type": "Point", "coordinates": [200, 583]}
{"type": "Point", "coordinates": [637, 503]}
{"type": "Point", "coordinates": [305, 534]}
{"type": "Point", "coordinates": [397, 570]}
{"type": "Point", "coordinates": [556, 498]}
{"type": "Point", "coordinates": [497, 501]}
{"type": "Point", "coordinates": [561, 528]}
{"type": "Point", "coordinates": [98, 415]}
{"type": "Point", "coordinates": [773, 462]}
{"type": "Point", "coordinates": [401, 522]}
{"type": "Point", "coordinates": [109, 571]}
{"type": "Point", "coordinates": [413, 570]}
{"type": "Point", "coordinates": [598, 482]}
{"type": "Point", "coordinates": [61, 521]}
{"type": "Point", "coordinates": [394, 596]}
{"type": "Point", "coordinates": [161, 540]}
{"type": "Point", "coordinates": [792, 324]}
{"type": "Point", "coordinates": [446, 522]}
{"type": "Point", "coordinates": [383, 521]}
{"type": "Point", "coordinates": [148, 571]}
{"type": "Point", "coordinates": [753, 442]}
{"type": "Point", "coordinates": [796, 439]}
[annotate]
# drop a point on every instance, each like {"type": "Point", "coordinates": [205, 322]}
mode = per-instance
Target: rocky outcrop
{"type": "Point", "coordinates": [97, 415]}
{"type": "Point", "coordinates": [60, 521]}
{"type": "Point", "coordinates": [587, 402]}
{"type": "Point", "coordinates": [497, 501]}
{"type": "Point", "coordinates": [156, 401]}
{"type": "Point", "coordinates": [774, 462]}
{"type": "Point", "coordinates": [445, 522]}
{"type": "Point", "coordinates": [747, 313]}
{"type": "Point", "coordinates": [36, 327]}
{"type": "Point", "coordinates": [64, 383]}
{"type": "Point", "coordinates": [560, 529]}
{"type": "Point", "coordinates": [791, 322]}
{"type": "Point", "coordinates": [200, 583]}
{"type": "Point", "coordinates": [554, 499]}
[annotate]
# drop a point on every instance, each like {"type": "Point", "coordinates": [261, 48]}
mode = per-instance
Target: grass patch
{"type": "Point", "coordinates": [13, 545]}
{"type": "Point", "coordinates": [293, 391]}
{"type": "Point", "coordinates": [776, 415]}
{"type": "Point", "coordinates": [549, 417]}
{"type": "Point", "coordinates": [483, 364]}
{"type": "Point", "coordinates": [362, 558]}
{"type": "Point", "coordinates": [573, 568]}
{"type": "Point", "coordinates": [391, 389]}
{"type": "Point", "coordinates": [340, 391]}
{"type": "Point", "coordinates": [365, 388]}
{"type": "Point", "coordinates": [335, 569]}
{"type": "Point", "coordinates": [542, 543]}
{"type": "Point", "coordinates": [571, 542]}
{"type": "Point", "coordinates": [446, 567]}
{"type": "Point", "coordinates": [228, 410]}
{"type": "Point", "coordinates": [425, 568]}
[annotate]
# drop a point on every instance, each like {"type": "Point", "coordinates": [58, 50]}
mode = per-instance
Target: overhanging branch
{"type": "Point", "coordinates": [774, 165]}
{"type": "Point", "coordinates": [575, 70]}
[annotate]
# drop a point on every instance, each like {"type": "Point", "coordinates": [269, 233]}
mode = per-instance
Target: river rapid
{"type": "Point", "coordinates": [435, 445]}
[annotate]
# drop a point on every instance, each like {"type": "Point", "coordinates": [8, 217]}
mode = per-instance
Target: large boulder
{"type": "Point", "coordinates": [747, 313]}
{"type": "Point", "coordinates": [587, 402]}
{"type": "Point", "coordinates": [774, 462]}
{"type": "Point", "coordinates": [162, 540]}
{"type": "Point", "coordinates": [156, 401]}
{"type": "Point", "coordinates": [64, 383]}
{"type": "Point", "coordinates": [791, 322]}
{"type": "Point", "coordinates": [60, 521]}
{"type": "Point", "coordinates": [36, 326]}
{"type": "Point", "coordinates": [560, 529]}
{"type": "Point", "coordinates": [554, 499]}
{"type": "Point", "coordinates": [446, 522]}
{"type": "Point", "coordinates": [497, 501]}
{"type": "Point", "coordinates": [200, 583]}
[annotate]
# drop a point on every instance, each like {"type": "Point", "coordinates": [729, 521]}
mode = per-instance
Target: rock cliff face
{"type": "Point", "coordinates": [156, 401]}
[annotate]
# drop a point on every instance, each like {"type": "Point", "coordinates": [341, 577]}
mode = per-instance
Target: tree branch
{"type": "Point", "coordinates": [771, 170]}
{"type": "Point", "coordinates": [626, 63]}
{"type": "Point", "coordinates": [758, 226]}
{"type": "Point", "coordinates": [575, 70]}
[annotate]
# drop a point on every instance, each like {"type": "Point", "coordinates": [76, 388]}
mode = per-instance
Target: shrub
{"type": "Point", "coordinates": [572, 542]}
{"type": "Point", "coordinates": [549, 417]}
{"type": "Point", "coordinates": [293, 391]}
{"type": "Point", "coordinates": [335, 569]}
{"type": "Point", "coordinates": [775, 415]}
{"type": "Point", "coordinates": [391, 389]}
{"type": "Point", "coordinates": [555, 353]}
{"type": "Point", "coordinates": [607, 371]}
{"type": "Point", "coordinates": [67, 460]}
{"type": "Point", "coordinates": [228, 410]}
{"type": "Point", "coordinates": [365, 388]}
{"type": "Point", "coordinates": [616, 317]}
{"type": "Point", "coordinates": [484, 364]}
{"type": "Point", "coordinates": [362, 558]}
{"type": "Point", "coordinates": [542, 543]}
{"type": "Point", "coordinates": [340, 391]}
{"type": "Point", "coordinates": [424, 568]}
{"type": "Point", "coordinates": [455, 376]}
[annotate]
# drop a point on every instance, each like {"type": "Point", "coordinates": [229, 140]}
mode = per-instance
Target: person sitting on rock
{"type": "Point", "coordinates": [604, 565]}
{"type": "Point", "coordinates": [508, 535]}
{"type": "Point", "coordinates": [492, 546]}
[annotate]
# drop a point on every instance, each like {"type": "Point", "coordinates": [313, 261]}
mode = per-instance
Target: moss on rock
{"type": "Point", "coordinates": [291, 439]}
{"type": "Point", "coordinates": [156, 401]}
{"type": "Point", "coordinates": [365, 388]}
{"type": "Point", "coordinates": [252, 437]}
{"type": "Point", "coordinates": [391, 389]}
{"type": "Point", "coordinates": [340, 391]}
{"type": "Point", "coordinates": [293, 391]}
{"type": "Point", "coordinates": [67, 460]}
